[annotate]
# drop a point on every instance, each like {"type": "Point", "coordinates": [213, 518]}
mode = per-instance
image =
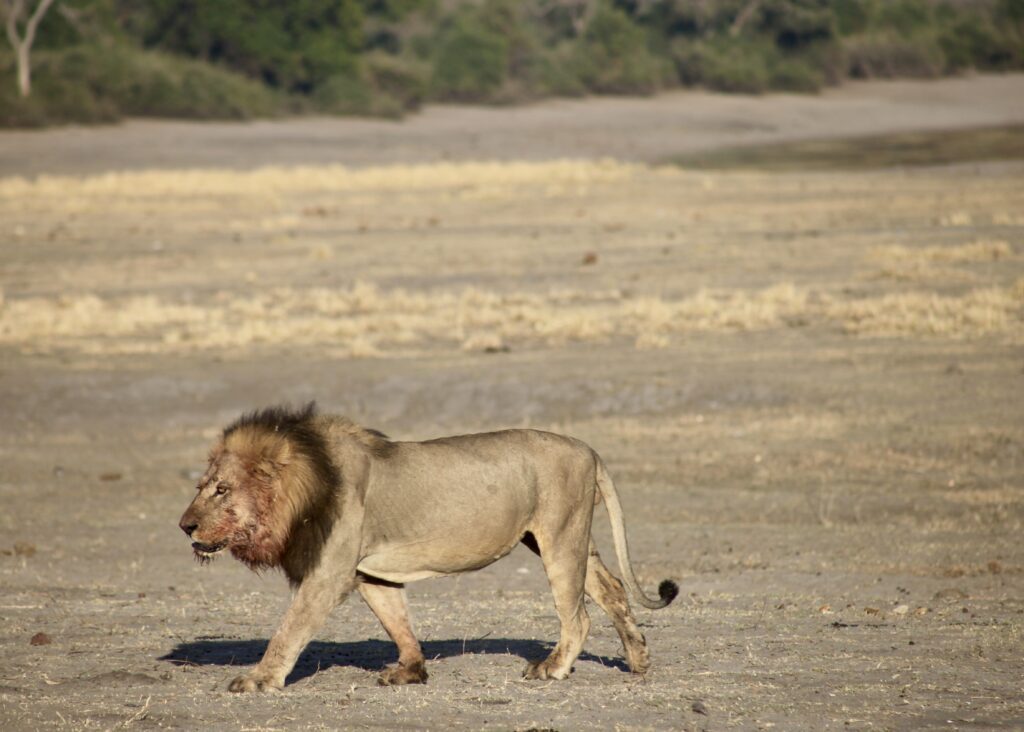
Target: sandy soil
{"type": "Point", "coordinates": [807, 386]}
{"type": "Point", "coordinates": [646, 130]}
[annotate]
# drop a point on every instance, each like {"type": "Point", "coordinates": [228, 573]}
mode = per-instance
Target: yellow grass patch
{"type": "Point", "coordinates": [987, 250]}
{"type": "Point", "coordinates": [472, 179]}
{"type": "Point", "coordinates": [979, 312]}
{"type": "Point", "coordinates": [364, 321]}
{"type": "Point", "coordinates": [917, 264]}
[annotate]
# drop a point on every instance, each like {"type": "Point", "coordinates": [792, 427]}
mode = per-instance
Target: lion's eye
{"type": "Point", "coordinates": [222, 488]}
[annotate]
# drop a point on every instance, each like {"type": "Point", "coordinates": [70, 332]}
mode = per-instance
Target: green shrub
{"type": "Point", "coordinates": [141, 83]}
{"type": "Point", "coordinates": [470, 62]}
{"type": "Point", "coordinates": [292, 46]}
{"type": "Point", "coordinates": [903, 17]}
{"type": "Point", "coordinates": [612, 57]}
{"type": "Point", "coordinates": [346, 94]}
{"type": "Point", "coordinates": [385, 86]}
{"type": "Point", "coordinates": [402, 79]}
{"type": "Point", "coordinates": [795, 75]}
{"type": "Point", "coordinates": [722, 65]}
{"type": "Point", "coordinates": [970, 41]}
{"type": "Point", "coordinates": [55, 99]}
{"type": "Point", "coordinates": [100, 83]}
{"type": "Point", "coordinates": [797, 25]}
{"type": "Point", "coordinates": [556, 73]}
{"type": "Point", "coordinates": [886, 55]}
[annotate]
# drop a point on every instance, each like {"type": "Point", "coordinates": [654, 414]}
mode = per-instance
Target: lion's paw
{"type": "Point", "coordinates": [415, 673]}
{"type": "Point", "coordinates": [539, 670]}
{"type": "Point", "coordinates": [253, 682]}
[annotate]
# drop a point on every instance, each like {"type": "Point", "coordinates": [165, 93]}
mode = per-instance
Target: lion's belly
{"type": "Point", "coordinates": [442, 549]}
{"type": "Point", "coordinates": [429, 528]}
{"type": "Point", "coordinates": [413, 560]}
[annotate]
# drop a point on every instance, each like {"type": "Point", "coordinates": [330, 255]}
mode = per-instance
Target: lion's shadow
{"type": "Point", "coordinates": [370, 655]}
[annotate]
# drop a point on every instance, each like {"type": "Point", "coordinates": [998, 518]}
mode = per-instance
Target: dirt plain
{"type": "Point", "coordinates": [808, 386]}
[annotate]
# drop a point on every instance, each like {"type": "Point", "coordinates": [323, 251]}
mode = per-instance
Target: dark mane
{"type": "Point", "coordinates": [310, 528]}
{"type": "Point", "coordinates": [298, 428]}
{"type": "Point", "coordinates": [280, 419]}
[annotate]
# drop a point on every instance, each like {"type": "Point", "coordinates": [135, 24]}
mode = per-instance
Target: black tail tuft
{"type": "Point", "coordinates": [668, 590]}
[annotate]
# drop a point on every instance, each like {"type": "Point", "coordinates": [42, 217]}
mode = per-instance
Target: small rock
{"type": "Point", "coordinates": [901, 610]}
{"type": "Point", "coordinates": [995, 567]}
{"type": "Point", "coordinates": [41, 639]}
{"type": "Point", "coordinates": [872, 610]}
{"type": "Point", "coordinates": [699, 708]}
{"type": "Point", "coordinates": [589, 258]}
{"type": "Point", "coordinates": [110, 477]}
{"type": "Point", "coordinates": [24, 549]}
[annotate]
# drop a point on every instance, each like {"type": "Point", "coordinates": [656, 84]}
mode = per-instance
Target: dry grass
{"type": "Point", "coordinates": [364, 321]}
{"type": "Point", "coordinates": [468, 180]}
{"type": "Point", "coordinates": [979, 312]}
{"type": "Point", "coordinates": [938, 263]}
{"type": "Point", "coordinates": [123, 263]}
{"type": "Point", "coordinates": [984, 250]}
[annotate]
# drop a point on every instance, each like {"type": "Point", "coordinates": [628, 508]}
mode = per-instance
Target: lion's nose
{"type": "Point", "coordinates": [188, 528]}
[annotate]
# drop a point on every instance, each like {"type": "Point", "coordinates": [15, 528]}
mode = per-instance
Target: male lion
{"type": "Point", "coordinates": [339, 507]}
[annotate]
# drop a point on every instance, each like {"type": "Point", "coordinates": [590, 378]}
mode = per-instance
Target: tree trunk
{"type": "Point", "coordinates": [742, 17]}
{"type": "Point", "coordinates": [24, 71]}
{"type": "Point", "coordinates": [22, 45]}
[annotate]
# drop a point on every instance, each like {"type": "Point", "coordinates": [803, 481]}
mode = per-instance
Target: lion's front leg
{"type": "Point", "coordinates": [313, 602]}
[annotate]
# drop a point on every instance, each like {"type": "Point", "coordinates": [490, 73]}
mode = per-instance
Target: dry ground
{"type": "Point", "coordinates": [807, 385]}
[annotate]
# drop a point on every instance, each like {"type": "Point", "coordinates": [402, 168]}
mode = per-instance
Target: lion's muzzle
{"type": "Point", "coordinates": [207, 550]}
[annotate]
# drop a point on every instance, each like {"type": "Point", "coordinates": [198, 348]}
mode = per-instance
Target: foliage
{"type": "Point", "coordinates": [470, 62]}
{"type": "Point", "coordinates": [385, 86]}
{"type": "Point", "coordinates": [101, 83]}
{"type": "Point", "coordinates": [612, 56]}
{"type": "Point", "coordinates": [98, 59]}
{"type": "Point", "coordinates": [291, 46]}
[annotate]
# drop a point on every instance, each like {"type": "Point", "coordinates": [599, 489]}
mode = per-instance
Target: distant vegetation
{"type": "Point", "coordinates": [98, 60]}
{"type": "Point", "coordinates": [906, 149]}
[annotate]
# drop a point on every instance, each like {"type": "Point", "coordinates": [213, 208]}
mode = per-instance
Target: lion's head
{"type": "Point", "coordinates": [268, 486]}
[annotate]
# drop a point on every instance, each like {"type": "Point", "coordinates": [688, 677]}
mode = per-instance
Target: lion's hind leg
{"type": "Point", "coordinates": [388, 603]}
{"type": "Point", "coordinates": [607, 591]}
{"type": "Point", "coordinates": [566, 570]}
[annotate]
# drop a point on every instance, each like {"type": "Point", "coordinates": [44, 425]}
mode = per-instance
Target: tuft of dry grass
{"type": "Point", "coordinates": [921, 264]}
{"type": "Point", "coordinates": [984, 250]}
{"type": "Point", "coordinates": [976, 313]}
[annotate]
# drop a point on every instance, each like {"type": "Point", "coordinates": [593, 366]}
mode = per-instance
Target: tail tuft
{"type": "Point", "coordinates": [668, 590]}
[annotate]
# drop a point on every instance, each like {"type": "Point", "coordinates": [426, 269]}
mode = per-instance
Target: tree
{"type": "Point", "coordinates": [294, 46]}
{"type": "Point", "coordinates": [22, 42]}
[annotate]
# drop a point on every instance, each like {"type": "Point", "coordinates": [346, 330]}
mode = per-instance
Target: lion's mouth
{"type": "Point", "coordinates": [207, 551]}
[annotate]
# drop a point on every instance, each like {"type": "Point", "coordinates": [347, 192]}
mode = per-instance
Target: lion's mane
{"type": "Point", "coordinates": [292, 484]}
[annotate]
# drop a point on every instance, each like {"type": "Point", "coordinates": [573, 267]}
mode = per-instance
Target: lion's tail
{"type": "Point", "coordinates": [668, 589]}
